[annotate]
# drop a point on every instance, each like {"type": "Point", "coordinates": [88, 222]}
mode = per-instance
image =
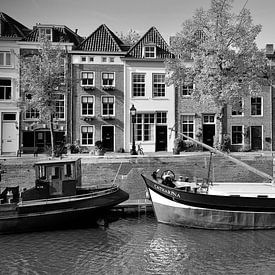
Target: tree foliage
{"type": "Point", "coordinates": [42, 77]}
{"type": "Point", "coordinates": [129, 38]}
{"type": "Point", "coordinates": [216, 50]}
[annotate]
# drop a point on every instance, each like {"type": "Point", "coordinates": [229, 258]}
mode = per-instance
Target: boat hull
{"type": "Point", "coordinates": [69, 213]}
{"type": "Point", "coordinates": [177, 208]}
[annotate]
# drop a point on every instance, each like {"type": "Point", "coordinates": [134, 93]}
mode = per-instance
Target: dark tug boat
{"type": "Point", "coordinates": [56, 201]}
{"type": "Point", "coordinates": [212, 205]}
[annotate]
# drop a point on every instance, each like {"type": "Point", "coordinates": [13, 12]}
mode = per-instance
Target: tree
{"type": "Point", "coordinates": [216, 50]}
{"type": "Point", "coordinates": [42, 78]}
{"type": "Point", "coordinates": [129, 38]}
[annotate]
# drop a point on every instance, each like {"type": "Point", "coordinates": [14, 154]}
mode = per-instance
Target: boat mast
{"type": "Point", "coordinates": [248, 167]}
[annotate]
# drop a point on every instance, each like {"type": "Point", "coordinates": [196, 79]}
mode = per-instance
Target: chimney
{"type": "Point", "coordinates": [76, 30]}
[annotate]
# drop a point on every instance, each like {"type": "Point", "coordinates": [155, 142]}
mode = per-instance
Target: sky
{"type": "Point", "coordinates": [122, 15]}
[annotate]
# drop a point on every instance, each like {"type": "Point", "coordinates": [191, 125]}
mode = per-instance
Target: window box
{"type": "Point", "coordinates": [108, 117]}
{"type": "Point", "coordinates": [88, 118]}
{"type": "Point", "coordinates": [88, 88]}
{"type": "Point", "coordinates": [108, 87]}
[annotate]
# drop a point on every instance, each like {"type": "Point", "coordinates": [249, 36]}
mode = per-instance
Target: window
{"type": "Point", "coordinates": [87, 135]}
{"type": "Point", "coordinates": [60, 106]}
{"type": "Point", "coordinates": [87, 106]}
{"type": "Point", "coordinates": [83, 58]}
{"type": "Point", "coordinates": [208, 119]}
{"type": "Point", "coordinates": [87, 78]}
{"type": "Point", "coordinates": [112, 59]}
{"type": "Point", "coordinates": [158, 85]}
{"type": "Point", "coordinates": [5, 89]}
{"type": "Point", "coordinates": [108, 103]}
{"type": "Point", "coordinates": [144, 127]}
{"type": "Point", "coordinates": [5, 59]}
{"type": "Point", "coordinates": [91, 59]}
{"type": "Point", "coordinates": [30, 113]}
{"type": "Point", "coordinates": [256, 106]}
{"type": "Point", "coordinates": [238, 109]}
{"type": "Point", "coordinates": [187, 89]}
{"type": "Point", "coordinates": [188, 125]}
{"type": "Point", "coordinates": [9, 117]}
{"type": "Point", "coordinates": [138, 84]}
{"type": "Point", "coordinates": [45, 33]}
{"type": "Point", "coordinates": [104, 59]}
{"type": "Point", "coordinates": [237, 136]}
{"type": "Point", "coordinates": [161, 117]}
{"type": "Point", "coordinates": [108, 79]}
{"type": "Point", "coordinates": [150, 51]}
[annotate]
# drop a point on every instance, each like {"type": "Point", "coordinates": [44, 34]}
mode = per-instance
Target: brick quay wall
{"type": "Point", "coordinates": [126, 170]}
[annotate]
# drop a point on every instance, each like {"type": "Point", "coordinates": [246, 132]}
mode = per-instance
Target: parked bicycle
{"type": "Point", "coordinates": [140, 150]}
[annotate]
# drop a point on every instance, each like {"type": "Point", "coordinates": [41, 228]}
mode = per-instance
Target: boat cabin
{"type": "Point", "coordinates": [55, 178]}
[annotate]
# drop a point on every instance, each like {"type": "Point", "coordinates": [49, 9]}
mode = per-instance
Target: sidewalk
{"type": "Point", "coordinates": [115, 155]}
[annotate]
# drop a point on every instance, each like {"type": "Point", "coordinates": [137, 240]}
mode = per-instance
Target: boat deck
{"type": "Point", "coordinates": [243, 189]}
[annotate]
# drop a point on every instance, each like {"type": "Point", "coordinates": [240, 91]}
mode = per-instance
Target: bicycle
{"type": "Point", "coordinates": [140, 150]}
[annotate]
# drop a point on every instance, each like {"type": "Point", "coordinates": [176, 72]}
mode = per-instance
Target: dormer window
{"type": "Point", "coordinates": [149, 52]}
{"type": "Point", "coordinates": [46, 33]}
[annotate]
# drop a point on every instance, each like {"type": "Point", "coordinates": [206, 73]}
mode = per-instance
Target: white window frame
{"type": "Point", "coordinates": [81, 78]}
{"type": "Point", "coordinates": [188, 88]}
{"type": "Point", "coordinates": [31, 111]}
{"type": "Point", "coordinates": [138, 83]}
{"type": "Point", "coordinates": [108, 115]}
{"type": "Point", "coordinates": [48, 36]}
{"type": "Point", "coordinates": [5, 53]}
{"type": "Point", "coordinates": [209, 116]}
{"type": "Point", "coordinates": [241, 134]}
{"type": "Point", "coordinates": [108, 85]}
{"type": "Point", "coordinates": [158, 89]}
{"type": "Point", "coordinates": [64, 111]}
{"type": "Point", "coordinates": [149, 51]}
{"type": "Point", "coordinates": [81, 137]}
{"type": "Point", "coordinates": [261, 106]}
{"type": "Point", "coordinates": [188, 132]}
{"type": "Point", "coordinates": [5, 88]}
{"type": "Point", "coordinates": [81, 105]}
{"type": "Point", "coordinates": [141, 137]}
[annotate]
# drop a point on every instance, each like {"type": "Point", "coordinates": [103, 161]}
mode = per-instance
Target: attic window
{"type": "Point", "coordinates": [46, 33]}
{"type": "Point", "coordinates": [149, 52]}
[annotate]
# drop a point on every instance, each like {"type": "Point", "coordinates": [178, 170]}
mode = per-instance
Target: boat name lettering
{"type": "Point", "coordinates": [169, 192]}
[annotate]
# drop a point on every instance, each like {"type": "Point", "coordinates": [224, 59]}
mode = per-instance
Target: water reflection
{"type": "Point", "coordinates": [138, 245]}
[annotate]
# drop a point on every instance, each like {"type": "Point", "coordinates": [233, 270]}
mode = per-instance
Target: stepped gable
{"type": "Point", "coordinates": [151, 37]}
{"type": "Point", "coordinates": [102, 40]}
{"type": "Point", "coordinates": [60, 33]}
{"type": "Point", "coordinates": [9, 27]}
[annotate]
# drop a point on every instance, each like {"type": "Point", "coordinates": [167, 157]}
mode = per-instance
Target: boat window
{"type": "Point", "coordinates": [41, 172]}
{"type": "Point", "coordinates": [55, 172]}
{"type": "Point", "coordinates": [68, 170]}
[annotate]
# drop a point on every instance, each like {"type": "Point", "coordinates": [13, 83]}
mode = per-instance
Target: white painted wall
{"type": "Point", "coordinates": [148, 104]}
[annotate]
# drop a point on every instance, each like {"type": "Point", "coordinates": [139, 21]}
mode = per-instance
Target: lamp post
{"type": "Point", "coordinates": [133, 111]}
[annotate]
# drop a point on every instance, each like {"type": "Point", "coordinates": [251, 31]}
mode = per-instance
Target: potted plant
{"type": "Point", "coordinates": [99, 150]}
{"type": "Point", "coordinates": [178, 145]}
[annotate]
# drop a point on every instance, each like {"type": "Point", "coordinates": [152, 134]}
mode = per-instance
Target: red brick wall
{"type": "Point", "coordinates": [98, 92]}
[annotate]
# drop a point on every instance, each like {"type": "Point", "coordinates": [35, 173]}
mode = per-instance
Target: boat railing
{"type": "Point", "coordinates": [69, 198]}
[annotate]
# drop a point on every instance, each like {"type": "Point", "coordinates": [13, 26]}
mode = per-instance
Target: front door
{"type": "Point", "coordinates": [9, 134]}
{"type": "Point", "coordinates": [256, 137]}
{"type": "Point", "coordinates": [108, 138]}
{"type": "Point", "coordinates": [208, 132]}
{"type": "Point", "coordinates": [161, 138]}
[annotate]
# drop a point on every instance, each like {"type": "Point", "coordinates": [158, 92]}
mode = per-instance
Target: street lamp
{"type": "Point", "coordinates": [133, 112]}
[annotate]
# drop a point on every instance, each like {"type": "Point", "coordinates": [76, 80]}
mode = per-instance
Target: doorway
{"type": "Point", "coordinates": [208, 134]}
{"type": "Point", "coordinates": [108, 138]}
{"type": "Point", "coordinates": [256, 137]}
{"type": "Point", "coordinates": [9, 133]}
{"type": "Point", "coordinates": [161, 138]}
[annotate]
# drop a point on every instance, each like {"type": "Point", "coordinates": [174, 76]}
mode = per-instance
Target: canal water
{"type": "Point", "coordinates": [138, 245]}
